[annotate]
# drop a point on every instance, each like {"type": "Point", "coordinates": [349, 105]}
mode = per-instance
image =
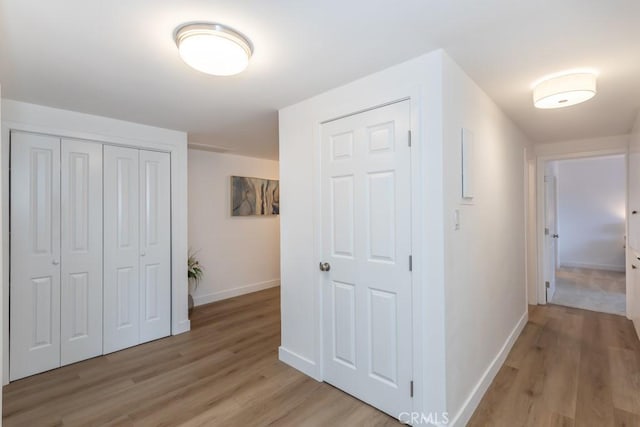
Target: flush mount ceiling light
{"type": "Point", "coordinates": [564, 90]}
{"type": "Point", "coordinates": [213, 48]}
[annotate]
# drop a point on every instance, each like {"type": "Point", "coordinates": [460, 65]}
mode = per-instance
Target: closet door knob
{"type": "Point", "coordinates": [55, 262]}
{"type": "Point", "coordinates": [142, 253]}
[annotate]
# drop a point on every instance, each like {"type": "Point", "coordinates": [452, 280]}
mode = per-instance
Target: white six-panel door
{"type": "Point", "coordinates": [35, 254]}
{"type": "Point", "coordinates": [81, 247]}
{"type": "Point", "coordinates": [121, 248]}
{"type": "Point", "coordinates": [155, 245]}
{"type": "Point", "coordinates": [366, 239]}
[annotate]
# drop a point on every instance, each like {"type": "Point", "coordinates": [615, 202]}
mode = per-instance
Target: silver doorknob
{"type": "Point", "coordinates": [555, 236]}
{"type": "Point", "coordinates": [143, 253]}
{"type": "Point", "coordinates": [55, 262]}
{"type": "Point", "coordinates": [325, 266]}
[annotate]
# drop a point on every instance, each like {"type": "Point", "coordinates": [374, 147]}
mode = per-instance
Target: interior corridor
{"type": "Point", "coordinates": [596, 290]}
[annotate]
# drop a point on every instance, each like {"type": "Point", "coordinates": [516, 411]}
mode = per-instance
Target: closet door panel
{"type": "Point", "coordinates": [155, 245]}
{"type": "Point", "coordinates": [121, 248]}
{"type": "Point", "coordinates": [35, 254]}
{"type": "Point", "coordinates": [81, 302]}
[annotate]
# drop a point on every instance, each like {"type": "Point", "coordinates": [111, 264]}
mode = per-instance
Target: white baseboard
{"type": "Point", "coordinates": [470, 405]}
{"type": "Point", "coordinates": [592, 266]}
{"type": "Point", "coordinates": [302, 364]}
{"type": "Point", "coordinates": [182, 327]}
{"type": "Point", "coordinates": [234, 292]}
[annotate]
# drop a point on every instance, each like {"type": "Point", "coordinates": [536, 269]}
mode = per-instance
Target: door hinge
{"type": "Point", "coordinates": [411, 388]}
{"type": "Point", "coordinates": [410, 263]}
{"type": "Point", "coordinates": [547, 284]}
{"type": "Point", "coordinates": [409, 138]}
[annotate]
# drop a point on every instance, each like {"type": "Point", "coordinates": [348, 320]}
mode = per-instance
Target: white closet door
{"type": "Point", "coordinates": [121, 248]}
{"type": "Point", "coordinates": [81, 302]}
{"type": "Point", "coordinates": [155, 245]}
{"type": "Point", "coordinates": [366, 231]}
{"type": "Point", "coordinates": [35, 249]}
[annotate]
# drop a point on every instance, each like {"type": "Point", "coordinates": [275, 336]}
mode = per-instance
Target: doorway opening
{"type": "Point", "coordinates": [584, 241]}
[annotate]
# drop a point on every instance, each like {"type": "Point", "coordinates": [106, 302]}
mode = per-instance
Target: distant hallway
{"type": "Point", "coordinates": [596, 290]}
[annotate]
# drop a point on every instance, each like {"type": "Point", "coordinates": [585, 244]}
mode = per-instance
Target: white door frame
{"type": "Point", "coordinates": [423, 384]}
{"type": "Point", "coordinates": [541, 162]}
{"type": "Point", "coordinates": [72, 125]}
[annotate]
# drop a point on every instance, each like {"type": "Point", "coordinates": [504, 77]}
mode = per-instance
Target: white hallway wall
{"type": "Point", "coordinates": [301, 347]}
{"type": "Point", "coordinates": [239, 254]}
{"type": "Point", "coordinates": [485, 269]}
{"type": "Point", "coordinates": [466, 334]}
{"type": "Point", "coordinates": [591, 212]}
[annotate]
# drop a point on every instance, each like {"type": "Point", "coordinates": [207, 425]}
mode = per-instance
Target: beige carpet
{"type": "Point", "coordinates": [595, 290]}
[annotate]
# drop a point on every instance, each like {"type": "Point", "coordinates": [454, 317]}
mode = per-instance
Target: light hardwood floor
{"type": "Point", "coordinates": [225, 372]}
{"type": "Point", "coordinates": [569, 367]}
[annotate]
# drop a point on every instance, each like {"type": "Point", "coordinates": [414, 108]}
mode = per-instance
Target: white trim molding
{"type": "Point", "coordinates": [234, 292]}
{"type": "Point", "coordinates": [607, 267]}
{"type": "Point", "coordinates": [302, 364]}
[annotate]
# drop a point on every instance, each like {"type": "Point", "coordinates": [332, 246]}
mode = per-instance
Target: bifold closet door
{"type": "Point", "coordinates": [121, 287]}
{"type": "Point", "coordinates": [155, 245]}
{"type": "Point", "coordinates": [81, 246]}
{"type": "Point", "coordinates": [35, 254]}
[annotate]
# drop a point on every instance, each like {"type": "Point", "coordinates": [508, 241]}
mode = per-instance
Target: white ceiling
{"type": "Point", "coordinates": [118, 58]}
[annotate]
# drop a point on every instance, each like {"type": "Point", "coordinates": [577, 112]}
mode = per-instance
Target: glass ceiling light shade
{"type": "Point", "coordinates": [565, 90]}
{"type": "Point", "coordinates": [213, 48]}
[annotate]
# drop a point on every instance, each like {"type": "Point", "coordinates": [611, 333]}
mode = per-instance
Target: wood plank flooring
{"type": "Point", "coordinates": [569, 367]}
{"type": "Point", "coordinates": [225, 372]}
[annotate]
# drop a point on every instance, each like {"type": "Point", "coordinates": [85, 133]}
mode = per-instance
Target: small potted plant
{"type": "Point", "coordinates": [194, 273]}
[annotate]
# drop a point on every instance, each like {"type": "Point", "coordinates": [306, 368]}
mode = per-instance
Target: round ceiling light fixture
{"type": "Point", "coordinates": [564, 90]}
{"type": "Point", "coordinates": [213, 48]}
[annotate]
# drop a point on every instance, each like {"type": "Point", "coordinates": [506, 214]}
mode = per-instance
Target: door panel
{"type": "Point", "coordinates": [35, 236]}
{"type": "Point", "coordinates": [344, 323]}
{"type": "Point", "coordinates": [81, 315]}
{"type": "Point", "coordinates": [343, 216]}
{"type": "Point", "coordinates": [380, 209]}
{"type": "Point", "coordinates": [383, 323]}
{"type": "Point", "coordinates": [367, 241]}
{"type": "Point", "coordinates": [155, 247]}
{"type": "Point", "coordinates": [121, 248]}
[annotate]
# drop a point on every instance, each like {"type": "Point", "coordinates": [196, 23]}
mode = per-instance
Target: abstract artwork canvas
{"type": "Point", "coordinates": [254, 196]}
